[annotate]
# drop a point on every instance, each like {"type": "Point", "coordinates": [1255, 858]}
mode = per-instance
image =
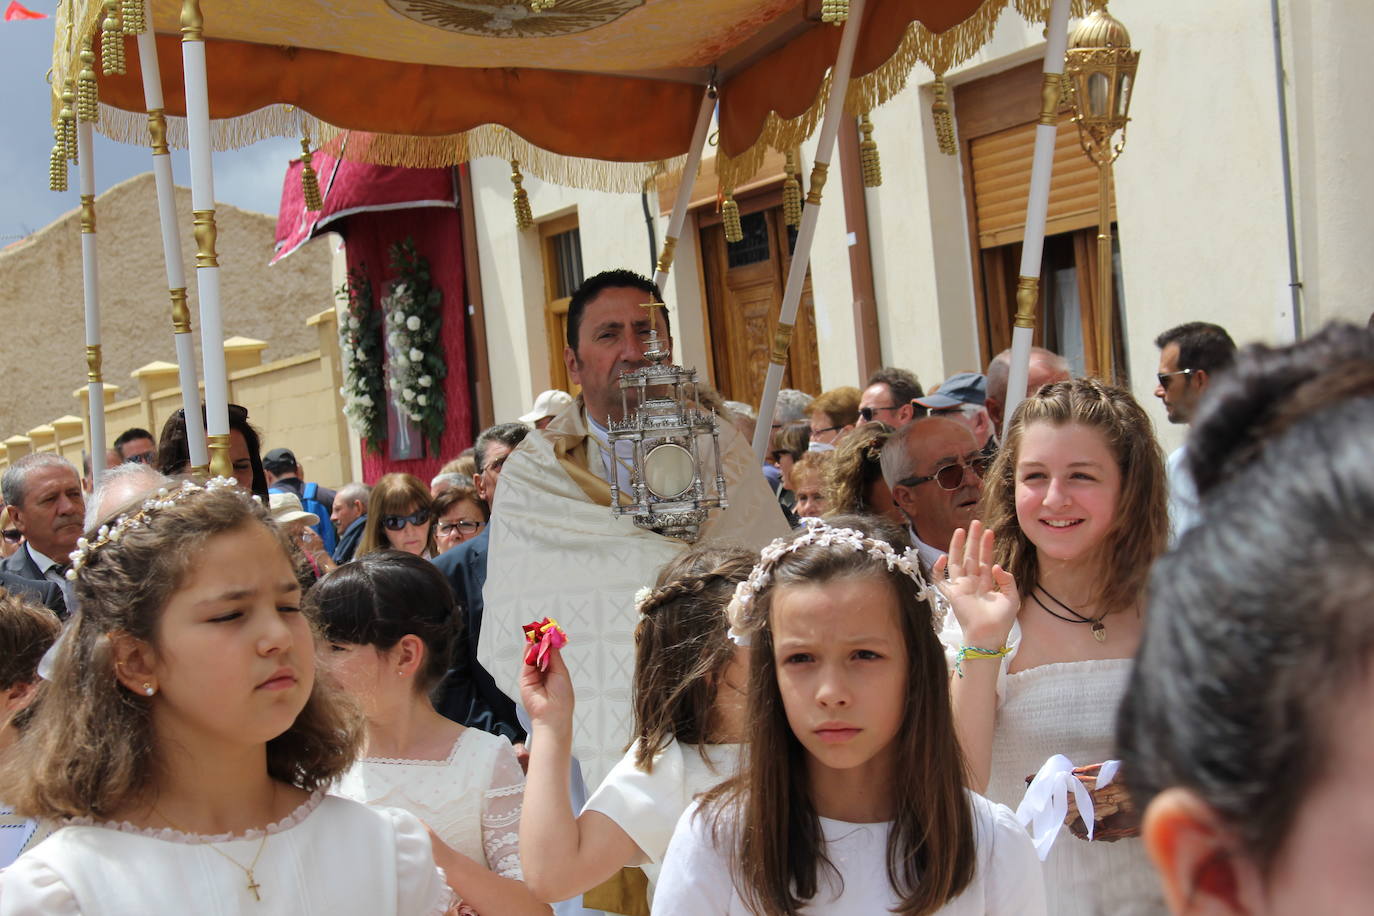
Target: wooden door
{"type": "Point", "coordinates": [744, 285]}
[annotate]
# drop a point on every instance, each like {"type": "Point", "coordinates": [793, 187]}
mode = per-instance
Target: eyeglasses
{"type": "Point", "coordinates": [143, 458]}
{"type": "Point", "coordinates": [951, 476]}
{"type": "Point", "coordinates": [1165, 376]}
{"type": "Point", "coordinates": [826, 429]}
{"type": "Point", "coordinates": [448, 529]}
{"type": "Point", "coordinates": [867, 413]}
{"type": "Point", "coordinates": [12, 535]}
{"type": "Point", "coordinates": [398, 522]}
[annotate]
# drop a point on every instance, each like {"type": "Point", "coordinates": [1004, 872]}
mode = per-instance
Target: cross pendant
{"type": "Point", "coordinates": [253, 886]}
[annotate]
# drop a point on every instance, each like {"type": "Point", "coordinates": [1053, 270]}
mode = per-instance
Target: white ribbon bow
{"type": "Point", "coordinates": [1046, 802]}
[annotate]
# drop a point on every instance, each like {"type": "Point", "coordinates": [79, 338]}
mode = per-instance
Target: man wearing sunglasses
{"type": "Point", "coordinates": [136, 445]}
{"type": "Point", "coordinates": [888, 396]}
{"type": "Point", "coordinates": [1190, 356]}
{"type": "Point", "coordinates": [934, 468]}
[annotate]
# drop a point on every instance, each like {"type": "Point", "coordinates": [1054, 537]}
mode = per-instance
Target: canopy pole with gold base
{"type": "Point", "coordinates": [684, 187]}
{"type": "Point", "coordinates": [90, 281]}
{"type": "Point", "coordinates": [171, 245]}
{"type": "Point", "coordinates": [1037, 206]}
{"type": "Point", "coordinates": [207, 262]}
{"type": "Point", "coordinates": [796, 274]}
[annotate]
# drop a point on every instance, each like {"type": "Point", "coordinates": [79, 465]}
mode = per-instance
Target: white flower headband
{"type": "Point", "coordinates": [822, 535]}
{"type": "Point", "coordinates": [162, 499]}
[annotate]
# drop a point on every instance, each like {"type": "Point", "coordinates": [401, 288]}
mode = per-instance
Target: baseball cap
{"type": "Point", "coordinates": [280, 459]}
{"type": "Point", "coordinates": [959, 389]}
{"type": "Point", "coordinates": [549, 404]}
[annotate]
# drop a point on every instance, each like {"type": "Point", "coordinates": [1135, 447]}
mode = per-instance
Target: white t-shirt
{"type": "Point", "coordinates": [696, 875]}
{"type": "Point", "coordinates": [647, 805]}
{"type": "Point", "coordinates": [1184, 507]}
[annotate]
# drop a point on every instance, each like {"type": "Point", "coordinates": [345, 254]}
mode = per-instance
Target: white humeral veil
{"type": "Point", "coordinates": [557, 552]}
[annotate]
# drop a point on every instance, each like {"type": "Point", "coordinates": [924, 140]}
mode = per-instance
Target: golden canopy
{"type": "Point", "coordinates": [442, 81]}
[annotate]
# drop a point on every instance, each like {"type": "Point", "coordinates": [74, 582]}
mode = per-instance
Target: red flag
{"type": "Point", "coordinates": [15, 11]}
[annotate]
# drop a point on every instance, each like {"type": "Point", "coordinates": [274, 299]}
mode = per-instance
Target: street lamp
{"type": "Point", "coordinates": [1099, 68]}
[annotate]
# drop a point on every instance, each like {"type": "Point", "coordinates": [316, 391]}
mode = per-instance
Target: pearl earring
{"type": "Point", "coordinates": [149, 689]}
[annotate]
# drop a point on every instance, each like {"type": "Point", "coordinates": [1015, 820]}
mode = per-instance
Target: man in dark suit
{"type": "Point", "coordinates": [47, 504]}
{"type": "Point", "coordinates": [468, 693]}
{"type": "Point", "coordinates": [45, 593]}
{"type": "Point", "coordinates": [349, 517]}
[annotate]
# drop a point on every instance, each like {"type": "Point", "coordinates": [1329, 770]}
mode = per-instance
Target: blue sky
{"type": "Point", "coordinates": [250, 178]}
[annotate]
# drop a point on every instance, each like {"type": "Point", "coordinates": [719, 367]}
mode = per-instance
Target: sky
{"type": "Point", "coordinates": [250, 178]}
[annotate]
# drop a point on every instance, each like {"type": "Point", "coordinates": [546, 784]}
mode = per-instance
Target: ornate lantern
{"type": "Point", "coordinates": [1100, 69]}
{"type": "Point", "coordinates": [676, 476]}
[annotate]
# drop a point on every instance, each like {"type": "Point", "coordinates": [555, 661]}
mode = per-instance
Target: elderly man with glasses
{"type": "Point", "coordinates": [1190, 356]}
{"type": "Point", "coordinates": [934, 468]}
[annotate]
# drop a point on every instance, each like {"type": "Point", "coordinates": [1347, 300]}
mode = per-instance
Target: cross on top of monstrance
{"type": "Point", "coordinates": [656, 353]}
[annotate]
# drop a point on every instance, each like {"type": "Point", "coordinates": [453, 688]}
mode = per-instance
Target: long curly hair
{"type": "Point", "coordinates": [1140, 531]}
{"type": "Point", "coordinates": [90, 749]}
{"type": "Point", "coordinates": [854, 469]}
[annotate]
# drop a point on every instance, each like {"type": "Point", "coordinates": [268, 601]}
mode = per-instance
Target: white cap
{"type": "Point", "coordinates": [286, 507]}
{"type": "Point", "coordinates": [549, 404]}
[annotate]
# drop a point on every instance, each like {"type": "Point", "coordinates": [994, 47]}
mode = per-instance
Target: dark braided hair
{"type": "Point", "coordinates": [682, 649]}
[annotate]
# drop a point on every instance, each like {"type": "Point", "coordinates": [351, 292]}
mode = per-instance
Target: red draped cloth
{"type": "Point", "coordinates": [373, 208]}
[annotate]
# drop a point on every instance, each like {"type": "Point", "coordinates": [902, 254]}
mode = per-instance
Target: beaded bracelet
{"type": "Point", "coordinates": [975, 652]}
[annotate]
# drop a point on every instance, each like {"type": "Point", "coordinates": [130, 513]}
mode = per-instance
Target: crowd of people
{"type": "Point", "coordinates": [264, 695]}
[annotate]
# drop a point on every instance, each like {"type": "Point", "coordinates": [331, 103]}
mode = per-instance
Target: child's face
{"type": "Point", "coordinates": [361, 671]}
{"type": "Point", "coordinates": [841, 665]}
{"type": "Point", "coordinates": [1067, 483]}
{"type": "Point", "coordinates": [811, 501]}
{"type": "Point", "coordinates": [234, 659]}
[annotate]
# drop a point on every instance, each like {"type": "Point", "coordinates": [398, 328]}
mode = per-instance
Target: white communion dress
{"type": "Point", "coordinates": [471, 799]}
{"type": "Point", "coordinates": [330, 857]}
{"type": "Point", "coordinates": [696, 879]}
{"type": "Point", "coordinates": [647, 805]}
{"type": "Point", "coordinates": [1067, 708]}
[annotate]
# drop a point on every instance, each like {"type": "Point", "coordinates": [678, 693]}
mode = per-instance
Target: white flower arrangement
{"type": "Point", "coordinates": [413, 317]}
{"type": "Point", "coordinates": [360, 352]}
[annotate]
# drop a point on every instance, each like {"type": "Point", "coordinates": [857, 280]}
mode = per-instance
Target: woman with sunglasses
{"type": "Point", "coordinates": [10, 535]}
{"type": "Point", "coordinates": [1047, 616]}
{"type": "Point", "coordinates": [399, 516]}
{"type": "Point", "coordinates": [461, 515]}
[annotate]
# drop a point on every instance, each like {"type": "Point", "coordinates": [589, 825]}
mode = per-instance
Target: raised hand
{"type": "Point", "coordinates": [982, 594]}
{"type": "Point", "coordinates": [548, 695]}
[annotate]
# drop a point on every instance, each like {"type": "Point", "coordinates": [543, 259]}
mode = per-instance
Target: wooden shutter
{"type": "Point", "coordinates": [1001, 164]}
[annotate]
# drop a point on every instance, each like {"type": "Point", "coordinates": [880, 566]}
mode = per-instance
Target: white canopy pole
{"type": "Point", "coordinates": [207, 263]}
{"type": "Point", "coordinates": [171, 245]}
{"type": "Point", "coordinates": [90, 277]}
{"type": "Point", "coordinates": [1033, 245]}
{"type": "Point", "coordinates": [684, 188]}
{"type": "Point", "coordinates": [801, 255]}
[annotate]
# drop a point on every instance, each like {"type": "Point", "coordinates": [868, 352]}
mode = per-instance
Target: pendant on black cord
{"type": "Point", "coordinates": [1099, 631]}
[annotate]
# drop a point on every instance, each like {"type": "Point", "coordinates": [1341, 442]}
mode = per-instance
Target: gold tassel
{"type": "Point", "coordinates": [67, 122]}
{"type": "Point", "coordinates": [944, 119]}
{"type": "Point", "coordinates": [834, 11]}
{"type": "Point", "coordinates": [87, 95]}
{"type": "Point", "coordinates": [112, 41]}
{"type": "Point", "coordinates": [791, 192]}
{"type": "Point", "coordinates": [524, 216]}
{"type": "Point", "coordinates": [310, 182]}
{"type": "Point", "coordinates": [539, 6]}
{"type": "Point", "coordinates": [57, 164]}
{"type": "Point", "coordinates": [729, 217]}
{"type": "Point", "coordinates": [869, 163]}
{"type": "Point", "coordinates": [132, 17]}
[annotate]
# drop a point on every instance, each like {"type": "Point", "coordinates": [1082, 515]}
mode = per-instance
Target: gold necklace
{"type": "Point", "coordinates": [253, 885]}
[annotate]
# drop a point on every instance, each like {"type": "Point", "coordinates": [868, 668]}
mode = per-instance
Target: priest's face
{"type": "Point", "coordinates": [611, 338]}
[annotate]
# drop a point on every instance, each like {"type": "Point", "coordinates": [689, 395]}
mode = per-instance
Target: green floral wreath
{"type": "Point", "coordinates": [360, 347]}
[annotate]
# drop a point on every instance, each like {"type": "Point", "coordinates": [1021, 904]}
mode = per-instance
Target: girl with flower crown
{"type": "Point", "coordinates": [186, 742]}
{"type": "Point", "coordinates": [850, 797]}
{"type": "Point", "coordinates": [688, 720]}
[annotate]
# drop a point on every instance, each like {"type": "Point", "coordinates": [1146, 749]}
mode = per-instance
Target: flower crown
{"type": "Point", "coordinates": [110, 533]}
{"type": "Point", "coordinates": [821, 535]}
